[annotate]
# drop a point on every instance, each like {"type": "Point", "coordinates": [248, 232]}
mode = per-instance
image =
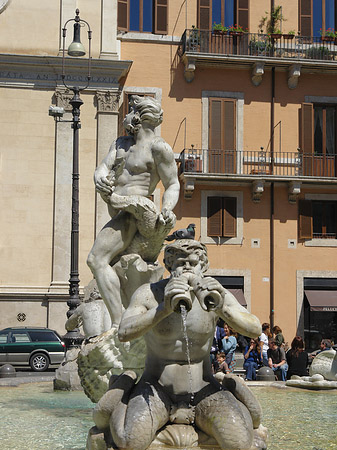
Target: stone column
{"type": "Point", "coordinates": [109, 43]}
{"type": "Point", "coordinates": [107, 132]}
{"type": "Point", "coordinates": [62, 196]}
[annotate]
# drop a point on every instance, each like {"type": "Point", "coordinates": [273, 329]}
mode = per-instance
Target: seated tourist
{"type": "Point", "coordinates": [253, 359]}
{"type": "Point", "coordinates": [264, 339]}
{"type": "Point", "coordinates": [278, 336]}
{"type": "Point", "coordinates": [277, 359]}
{"type": "Point", "coordinates": [325, 344]}
{"type": "Point", "coordinates": [297, 359]}
{"type": "Point", "coordinates": [229, 344]}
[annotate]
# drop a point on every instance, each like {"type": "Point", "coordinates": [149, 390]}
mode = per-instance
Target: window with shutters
{"type": "Point", "coordinates": [318, 139]}
{"type": "Point", "coordinates": [317, 219]}
{"type": "Point", "coordinates": [221, 217]}
{"type": "Point", "coordinates": [146, 16]}
{"type": "Point", "coordinates": [315, 16]}
{"type": "Point", "coordinates": [227, 12]}
{"type": "Point", "coordinates": [222, 135]}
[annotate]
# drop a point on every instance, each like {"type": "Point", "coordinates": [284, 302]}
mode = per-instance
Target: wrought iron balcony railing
{"type": "Point", "coordinates": [257, 163]}
{"type": "Point", "coordinates": [259, 45]}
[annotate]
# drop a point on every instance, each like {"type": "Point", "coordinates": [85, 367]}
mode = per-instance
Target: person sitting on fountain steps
{"type": "Point", "coordinates": [177, 385]}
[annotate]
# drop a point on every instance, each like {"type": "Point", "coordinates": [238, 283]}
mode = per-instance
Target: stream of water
{"type": "Point", "coordinates": [188, 357]}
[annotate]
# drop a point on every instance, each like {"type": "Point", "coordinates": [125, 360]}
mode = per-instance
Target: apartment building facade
{"type": "Point", "coordinates": [249, 101]}
{"type": "Point", "coordinates": [249, 110]}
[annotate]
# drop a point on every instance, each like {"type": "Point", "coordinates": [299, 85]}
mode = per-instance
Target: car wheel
{"type": "Point", "coordinates": [39, 362]}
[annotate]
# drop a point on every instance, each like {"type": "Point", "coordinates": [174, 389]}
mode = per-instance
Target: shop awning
{"type": "Point", "coordinates": [322, 300]}
{"type": "Point", "coordinates": [239, 295]}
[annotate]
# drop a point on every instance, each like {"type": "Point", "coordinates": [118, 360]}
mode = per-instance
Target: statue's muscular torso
{"type": "Point", "coordinates": [140, 175]}
{"type": "Point", "coordinates": [166, 350]}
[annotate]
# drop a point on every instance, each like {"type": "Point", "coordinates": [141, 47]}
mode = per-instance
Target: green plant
{"type": "Point", "coordinates": [318, 53]}
{"type": "Point", "coordinates": [260, 47]}
{"type": "Point", "coordinates": [330, 32]}
{"type": "Point", "coordinates": [271, 22]}
{"type": "Point", "coordinates": [219, 27]}
{"type": "Point", "coordinates": [236, 29]}
{"type": "Point", "coordinates": [291, 32]}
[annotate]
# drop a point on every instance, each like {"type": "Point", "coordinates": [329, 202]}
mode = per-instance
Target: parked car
{"type": "Point", "coordinates": [38, 347]}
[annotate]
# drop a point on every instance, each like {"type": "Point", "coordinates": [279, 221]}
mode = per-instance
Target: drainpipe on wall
{"type": "Point", "coordinates": [271, 262]}
{"type": "Point", "coordinates": [272, 120]}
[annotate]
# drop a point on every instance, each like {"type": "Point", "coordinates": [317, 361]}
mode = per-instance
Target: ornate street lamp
{"type": "Point", "coordinates": [75, 49]}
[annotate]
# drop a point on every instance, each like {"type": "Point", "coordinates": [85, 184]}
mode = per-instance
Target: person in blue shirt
{"type": "Point", "coordinates": [229, 344]}
{"type": "Point", "coordinates": [253, 359]}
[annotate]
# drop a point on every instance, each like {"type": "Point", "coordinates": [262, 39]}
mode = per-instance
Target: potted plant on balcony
{"type": "Point", "coordinates": [277, 34]}
{"type": "Point", "coordinates": [289, 35]}
{"type": "Point", "coordinates": [271, 23]}
{"type": "Point", "coordinates": [218, 28]}
{"type": "Point", "coordinates": [236, 30]}
{"type": "Point", "coordinates": [328, 35]}
{"type": "Point", "coordinates": [259, 46]}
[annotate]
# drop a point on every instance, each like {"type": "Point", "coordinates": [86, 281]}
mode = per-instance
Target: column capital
{"type": "Point", "coordinates": [63, 97]}
{"type": "Point", "coordinates": [107, 101]}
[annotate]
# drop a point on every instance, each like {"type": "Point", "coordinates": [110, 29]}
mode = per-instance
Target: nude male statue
{"type": "Point", "coordinates": [92, 314]}
{"type": "Point", "coordinates": [171, 390]}
{"type": "Point", "coordinates": [126, 179]}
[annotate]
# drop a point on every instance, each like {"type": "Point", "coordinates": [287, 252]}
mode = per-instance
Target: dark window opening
{"type": "Point", "coordinates": [318, 325]}
{"type": "Point", "coordinates": [324, 219]}
{"type": "Point", "coordinates": [324, 130]}
{"type": "Point", "coordinates": [317, 219]}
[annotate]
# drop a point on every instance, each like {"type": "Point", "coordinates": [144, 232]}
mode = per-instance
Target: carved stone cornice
{"type": "Point", "coordinates": [63, 97]}
{"type": "Point", "coordinates": [107, 101]}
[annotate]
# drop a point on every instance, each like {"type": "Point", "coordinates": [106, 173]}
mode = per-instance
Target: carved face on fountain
{"type": "Point", "coordinates": [186, 255]}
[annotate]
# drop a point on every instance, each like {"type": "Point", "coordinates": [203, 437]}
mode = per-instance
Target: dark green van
{"type": "Point", "coordinates": [37, 347]}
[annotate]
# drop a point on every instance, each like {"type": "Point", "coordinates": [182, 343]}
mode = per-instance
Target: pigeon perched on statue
{"type": "Point", "coordinates": [183, 233]}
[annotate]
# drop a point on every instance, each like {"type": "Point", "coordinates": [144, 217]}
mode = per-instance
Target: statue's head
{"type": "Point", "coordinates": [145, 110]}
{"type": "Point", "coordinates": [186, 255]}
{"type": "Point", "coordinates": [93, 295]}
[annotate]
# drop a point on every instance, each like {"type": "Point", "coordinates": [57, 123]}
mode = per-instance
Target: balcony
{"type": "Point", "coordinates": [293, 53]}
{"type": "Point", "coordinates": [256, 167]}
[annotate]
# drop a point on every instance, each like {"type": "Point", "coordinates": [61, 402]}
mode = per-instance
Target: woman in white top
{"type": "Point", "coordinates": [264, 342]}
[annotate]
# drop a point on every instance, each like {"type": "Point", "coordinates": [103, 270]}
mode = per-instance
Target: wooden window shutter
{"type": "Point", "coordinates": [214, 216]}
{"type": "Point", "coordinates": [229, 114]}
{"type": "Point", "coordinates": [215, 124]}
{"type": "Point", "coordinates": [160, 16]}
{"type": "Point", "coordinates": [222, 124]}
{"type": "Point", "coordinates": [229, 217]}
{"type": "Point", "coordinates": [305, 219]}
{"type": "Point", "coordinates": [204, 14]}
{"type": "Point", "coordinates": [305, 17]}
{"type": "Point", "coordinates": [123, 15]}
{"type": "Point", "coordinates": [307, 128]}
{"type": "Point", "coordinates": [242, 13]}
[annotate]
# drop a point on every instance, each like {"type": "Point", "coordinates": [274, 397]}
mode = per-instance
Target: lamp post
{"type": "Point", "coordinates": [76, 49]}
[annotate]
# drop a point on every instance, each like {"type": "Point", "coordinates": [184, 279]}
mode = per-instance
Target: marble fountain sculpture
{"type": "Point", "coordinates": [322, 373]}
{"type": "Point", "coordinates": [172, 400]}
